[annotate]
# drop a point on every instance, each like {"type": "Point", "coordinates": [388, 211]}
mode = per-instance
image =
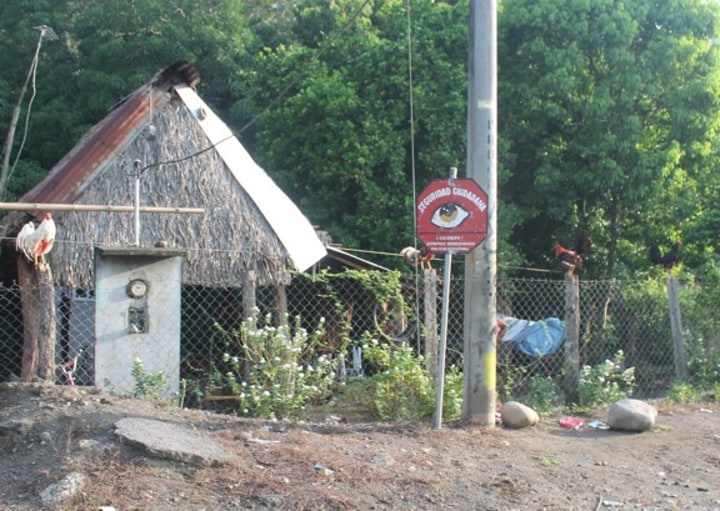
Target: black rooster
{"type": "Point", "coordinates": [669, 259]}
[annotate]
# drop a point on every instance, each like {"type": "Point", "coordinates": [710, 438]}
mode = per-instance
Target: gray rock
{"type": "Point", "coordinates": [20, 428]}
{"type": "Point", "coordinates": [632, 415]}
{"type": "Point", "coordinates": [171, 441]}
{"type": "Point", "coordinates": [517, 415]}
{"type": "Point", "coordinates": [87, 444]}
{"type": "Point", "coordinates": [64, 489]}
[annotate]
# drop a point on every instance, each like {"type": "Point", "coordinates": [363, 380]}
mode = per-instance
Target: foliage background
{"type": "Point", "coordinates": [607, 121]}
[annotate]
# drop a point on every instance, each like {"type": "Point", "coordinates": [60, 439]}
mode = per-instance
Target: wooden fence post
{"type": "Point", "coordinates": [430, 321]}
{"type": "Point", "coordinates": [676, 328]}
{"type": "Point", "coordinates": [571, 366]}
{"type": "Point", "coordinates": [281, 304]}
{"type": "Point", "coordinates": [37, 295]}
{"type": "Point", "coordinates": [249, 302]}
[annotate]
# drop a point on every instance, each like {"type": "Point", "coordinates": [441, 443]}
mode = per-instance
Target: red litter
{"type": "Point", "coordinates": [572, 423]}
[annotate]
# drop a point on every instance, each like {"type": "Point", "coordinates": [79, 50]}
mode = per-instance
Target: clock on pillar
{"type": "Point", "coordinates": [136, 288]}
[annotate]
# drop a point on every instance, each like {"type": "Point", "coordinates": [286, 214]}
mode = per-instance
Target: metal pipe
{"type": "Point", "coordinates": [440, 379]}
{"type": "Point", "coordinates": [137, 202]}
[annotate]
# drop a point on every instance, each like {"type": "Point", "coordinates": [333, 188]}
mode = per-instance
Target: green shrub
{"type": "Point", "coordinates": [682, 393]}
{"type": "Point", "coordinates": [453, 394]}
{"type": "Point", "coordinates": [147, 385]}
{"type": "Point", "coordinates": [543, 394]}
{"type": "Point", "coordinates": [704, 367]}
{"type": "Point", "coordinates": [606, 383]}
{"type": "Point", "coordinates": [401, 388]}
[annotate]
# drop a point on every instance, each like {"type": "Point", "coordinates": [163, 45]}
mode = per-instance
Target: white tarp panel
{"type": "Point", "coordinates": [291, 226]}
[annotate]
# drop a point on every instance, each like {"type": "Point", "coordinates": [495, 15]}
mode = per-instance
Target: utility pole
{"type": "Point", "coordinates": [480, 355]}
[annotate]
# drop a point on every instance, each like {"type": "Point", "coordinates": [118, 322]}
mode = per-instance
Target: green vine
{"type": "Point", "coordinates": [385, 289]}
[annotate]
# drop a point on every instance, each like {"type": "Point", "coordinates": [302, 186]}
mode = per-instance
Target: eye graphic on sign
{"type": "Point", "coordinates": [449, 215]}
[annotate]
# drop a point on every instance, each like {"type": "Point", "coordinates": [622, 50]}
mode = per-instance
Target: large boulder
{"type": "Point", "coordinates": [632, 415]}
{"type": "Point", "coordinates": [517, 415]}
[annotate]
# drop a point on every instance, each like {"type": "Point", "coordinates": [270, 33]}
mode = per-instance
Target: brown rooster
{"type": "Point", "coordinates": [572, 259]}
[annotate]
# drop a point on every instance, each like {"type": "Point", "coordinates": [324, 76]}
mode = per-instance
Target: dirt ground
{"type": "Point", "coordinates": [47, 432]}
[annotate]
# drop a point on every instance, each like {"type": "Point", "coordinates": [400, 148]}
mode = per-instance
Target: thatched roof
{"type": "Point", "coordinates": [156, 131]}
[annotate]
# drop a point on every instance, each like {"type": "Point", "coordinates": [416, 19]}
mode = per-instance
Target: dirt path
{"type": "Point", "coordinates": [47, 432]}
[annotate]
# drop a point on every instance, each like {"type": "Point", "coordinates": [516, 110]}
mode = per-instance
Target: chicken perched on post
{"type": "Point", "coordinates": [668, 259]}
{"type": "Point", "coordinates": [36, 242]}
{"type": "Point", "coordinates": [572, 259]}
{"type": "Point", "coordinates": [421, 256]}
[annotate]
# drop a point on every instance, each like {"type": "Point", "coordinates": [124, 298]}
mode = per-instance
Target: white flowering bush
{"type": "Point", "coordinates": [281, 371]}
{"type": "Point", "coordinates": [606, 383]}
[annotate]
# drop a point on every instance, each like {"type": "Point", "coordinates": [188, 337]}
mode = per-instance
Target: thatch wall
{"type": "Point", "coordinates": [230, 239]}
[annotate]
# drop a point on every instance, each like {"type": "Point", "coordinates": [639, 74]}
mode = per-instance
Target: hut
{"type": "Point", "coordinates": [163, 147]}
{"type": "Point", "coordinates": [165, 143]}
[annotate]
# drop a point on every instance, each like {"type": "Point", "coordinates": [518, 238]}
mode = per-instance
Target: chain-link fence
{"type": "Point", "coordinates": [632, 317]}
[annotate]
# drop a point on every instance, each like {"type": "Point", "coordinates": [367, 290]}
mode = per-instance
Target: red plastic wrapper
{"type": "Point", "coordinates": [572, 423]}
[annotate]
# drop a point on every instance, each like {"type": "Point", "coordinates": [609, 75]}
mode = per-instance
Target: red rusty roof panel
{"type": "Point", "coordinates": [105, 141]}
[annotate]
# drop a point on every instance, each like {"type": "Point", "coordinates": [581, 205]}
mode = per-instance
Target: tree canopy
{"type": "Point", "coordinates": [610, 112]}
{"type": "Point", "coordinates": [607, 116]}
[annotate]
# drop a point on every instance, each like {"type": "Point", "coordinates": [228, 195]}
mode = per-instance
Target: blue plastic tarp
{"type": "Point", "coordinates": [535, 338]}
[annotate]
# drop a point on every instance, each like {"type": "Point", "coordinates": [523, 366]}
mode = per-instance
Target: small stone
{"type": "Point", "coordinates": [64, 489]}
{"type": "Point", "coordinates": [245, 435]}
{"type": "Point", "coordinates": [86, 444]}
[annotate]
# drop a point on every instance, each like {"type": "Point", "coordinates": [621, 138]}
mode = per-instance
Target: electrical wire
{"type": "Point", "coordinates": [184, 158]}
{"type": "Point", "coordinates": [48, 32]}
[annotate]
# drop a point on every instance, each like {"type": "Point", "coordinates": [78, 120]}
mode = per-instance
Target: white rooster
{"type": "Point", "coordinates": [36, 242]}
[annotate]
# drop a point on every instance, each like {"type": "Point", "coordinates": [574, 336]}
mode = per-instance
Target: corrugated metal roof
{"type": "Point", "coordinates": [98, 147]}
{"type": "Point", "coordinates": [292, 228]}
{"type": "Point", "coordinates": [351, 260]}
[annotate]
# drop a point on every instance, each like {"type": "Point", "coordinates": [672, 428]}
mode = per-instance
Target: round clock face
{"type": "Point", "coordinates": [136, 288]}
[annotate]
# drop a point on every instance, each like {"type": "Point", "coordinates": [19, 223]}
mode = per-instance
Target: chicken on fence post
{"type": "Point", "coordinates": [422, 256]}
{"type": "Point", "coordinates": [668, 259]}
{"type": "Point", "coordinates": [572, 259]}
{"type": "Point", "coordinates": [36, 242]}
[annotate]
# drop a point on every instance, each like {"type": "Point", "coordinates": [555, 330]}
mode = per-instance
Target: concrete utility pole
{"type": "Point", "coordinates": [480, 355]}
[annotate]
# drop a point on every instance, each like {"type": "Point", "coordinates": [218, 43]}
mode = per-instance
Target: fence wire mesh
{"type": "Point", "coordinates": [615, 316]}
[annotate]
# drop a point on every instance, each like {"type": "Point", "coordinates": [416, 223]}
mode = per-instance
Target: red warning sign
{"type": "Point", "coordinates": [452, 216]}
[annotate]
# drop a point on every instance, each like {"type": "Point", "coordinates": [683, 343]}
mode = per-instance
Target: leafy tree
{"type": "Point", "coordinates": [339, 139]}
{"type": "Point", "coordinates": [105, 50]}
{"type": "Point", "coordinates": [608, 115]}
{"type": "Point", "coordinates": [609, 107]}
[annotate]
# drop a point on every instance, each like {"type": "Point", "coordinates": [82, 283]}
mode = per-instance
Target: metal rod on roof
{"type": "Point", "coordinates": [48, 206]}
{"type": "Point", "coordinates": [137, 202]}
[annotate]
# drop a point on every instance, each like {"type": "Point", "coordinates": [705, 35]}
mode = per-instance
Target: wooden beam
{"type": "Point", "coordinates": [39, 206]}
